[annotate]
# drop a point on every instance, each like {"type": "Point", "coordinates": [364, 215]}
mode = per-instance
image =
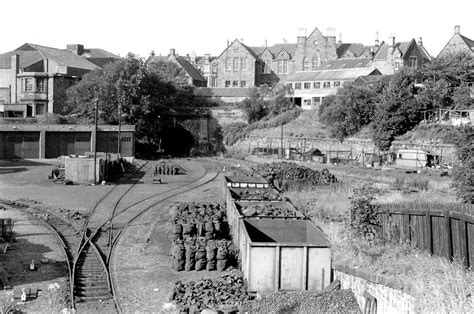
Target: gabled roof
{"type": "Point", "coordinates": [469, 42]}
{"type": "Point", "coordinates": [201, 59]}
{"type": "Point", "coordinates": [355, 48]}
{"type": "Point", "coordinates": [250, 51]}
{"type": "Point", "coordinates": [190, 69]}
{"type": "Point", "coordinates": [98, 53]}
{"type": "Point", "coordinates": [60, 56]}
{"type": "Point", "coordinates": [27, 58]}
{"type": "Point", "coordinates": [329, 75]}
{"type": "Point", "coordinates": [384, 50]}
{"type": "Point", "coordinates": [276, 49]}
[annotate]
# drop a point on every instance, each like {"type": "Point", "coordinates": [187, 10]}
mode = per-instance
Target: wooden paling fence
{"type": "Point", "coordinates": [442, 229]}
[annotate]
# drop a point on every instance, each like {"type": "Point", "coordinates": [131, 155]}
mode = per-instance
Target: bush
{"type": "Point", "coordinates": [364, 220]}
{"type": "Point", "coordinates": [463, 170]}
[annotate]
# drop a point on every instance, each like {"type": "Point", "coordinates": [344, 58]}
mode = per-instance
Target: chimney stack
{"type": "Point", "coordinates": [172, 52]}
{"type": "Point", "coordinates": [207, 57]}
{"type": "Point", "coordinates": [228, 43]}
{"type": "Point", "coordinates": [420, 41]}
{"type": "Point", "coordinates": [392, 40]}
{"type": "Point", "coordinates": [75, 48]}
{"type": "Point", "coordinates": [457, 29]}
{"type": "Point", "coordinates": [377, 39]}
{"type": "Point", "coordinates": [340, 38]}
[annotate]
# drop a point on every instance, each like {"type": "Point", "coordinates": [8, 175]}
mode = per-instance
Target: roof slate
{"type": "Point", "coordinates": [63, 57]}
{"type": "Point", "coordinates": [341, 74]}
{"type": "Point", "coordinates": [383, 52]}
{"type": "Point", "coordinates": [190, 69]}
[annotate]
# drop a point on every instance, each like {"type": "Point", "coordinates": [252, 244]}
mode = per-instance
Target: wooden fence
{"type": "Point", "coordinates": [443, 229]}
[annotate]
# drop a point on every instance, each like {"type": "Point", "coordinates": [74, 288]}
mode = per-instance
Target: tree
{"type": "Point", "coordinates": [463, 170]}
{"type": "Point", "coordinates": [141, 92]}
{"type": "Point", "coordinates": [445, 81]}
{"type": "Point", "coordinates": [347, 112]}
{"type": "Point", "coordinates": [255, 106]}
{"type": "Point", "coordinates": [397, 111]}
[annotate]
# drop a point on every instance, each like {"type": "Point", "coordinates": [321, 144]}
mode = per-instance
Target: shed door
{"type": "Point", "coordinates": [127, 144]}
{"type": "Point", "coordinates": [83, 142]}
{"type": "Point", "coordinates": [14, 145]}
{"type": "Point", "coordinates": [52, 145]}
{"type": "Point", "coordinates": [31, 144]}
{"type": "Point", "coordinates": [66, 144]}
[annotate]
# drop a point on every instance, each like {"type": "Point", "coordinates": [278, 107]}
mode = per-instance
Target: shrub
{"type": "Point", "coordinates": [364, 220]}
{"type": "Point", "coordinates": [463, 171]}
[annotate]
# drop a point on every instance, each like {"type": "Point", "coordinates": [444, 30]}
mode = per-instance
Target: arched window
{"type": "Point", "coordinates": [316, 62]}
{"type": "Point", "coordinates": [306, 64]}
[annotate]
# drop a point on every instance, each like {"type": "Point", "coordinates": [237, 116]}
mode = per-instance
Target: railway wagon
{"type": "Point", "coordinates": [284, 255]}
{"type": "Point", "coordinates": [246, 182]}
{"type": "Point", "coordinates": [245, 209]}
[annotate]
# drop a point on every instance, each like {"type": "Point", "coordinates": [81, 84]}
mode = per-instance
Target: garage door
{"type": "Point", "coordinates": [21, 145]}
{"type": "Point", "coordinates": [67, 143]}
{"type": "Point", "coordinates": [107, 142]}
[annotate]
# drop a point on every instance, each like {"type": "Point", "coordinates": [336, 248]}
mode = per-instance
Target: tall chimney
{"type": "Point", "coordinates": [228, 43]}
{"type": "Point", "coordinates": [420, 41]}
{"type": "Point", "coordinates": [377, 39]}
{"type": "Point", "coordinates": [207, 57]}
{"type": "Point", "coordinates": [172, 53]}
{"type": "Point", "coordinates": [392, 40]}
{"type": "Point", "coordinates": [301, 39]}
{"type": "Point", "coordinates": [340, 38]}
{"type": "Point", "coordinates": [457, 29]}
{"type": "Point", "coordinates": [331, 34]}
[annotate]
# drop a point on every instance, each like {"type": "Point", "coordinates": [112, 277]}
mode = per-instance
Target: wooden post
{"type": "Point", "coordinates": [406, 222]}
{"type": "Point", "coordinates": [449, 233]}
{"type": "Point", "coordinates": [277, 268]}
{"type": "Point", "coordinates": [464, 243]}
{"type": "Point", "coordinates": [304, 284]}
{"type": "Point", "coordinates": [428, 232]}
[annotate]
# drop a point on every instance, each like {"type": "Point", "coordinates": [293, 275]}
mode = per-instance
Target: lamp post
{"type": "Point", "coordinates": [96, 117]}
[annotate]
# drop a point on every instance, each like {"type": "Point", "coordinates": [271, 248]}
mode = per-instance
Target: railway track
{"type": "Point", "coordinates": [91, 280]}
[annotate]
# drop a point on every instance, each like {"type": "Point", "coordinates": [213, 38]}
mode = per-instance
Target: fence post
{"type": "Point", "coordinates": [406, 223]}
{"type": "Point", "coordinates": [449, 233]}
{"type": "Point", "coordinates": [428, 232]}
{"type": "Point", "coordinates": [464, 242]}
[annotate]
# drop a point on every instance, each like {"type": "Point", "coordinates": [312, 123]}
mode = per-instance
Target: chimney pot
{"type": "Point", "coordinates": [457, 29]}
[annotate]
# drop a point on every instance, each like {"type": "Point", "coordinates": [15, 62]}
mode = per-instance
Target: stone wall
{"type": "Point", "coordinates": [392, 295]}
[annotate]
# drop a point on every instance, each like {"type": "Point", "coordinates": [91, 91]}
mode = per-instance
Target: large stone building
{"type": "Point", "coordinates": [34, 78]}
{"type": "Point", "coordinates": [458, 43]}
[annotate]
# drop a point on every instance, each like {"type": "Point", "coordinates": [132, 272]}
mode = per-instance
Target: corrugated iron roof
{"type": "Point", "coordinates": [330, 75]}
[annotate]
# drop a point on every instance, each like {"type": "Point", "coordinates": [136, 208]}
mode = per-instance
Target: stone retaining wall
{"type": "Point", "coordinates": [392, 295]}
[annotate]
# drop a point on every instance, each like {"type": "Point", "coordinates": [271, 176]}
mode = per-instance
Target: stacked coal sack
{"type": "Point", "coordinates": [255, 194]}
{"type": "Point", "coordinates": [200, 238]}
{"type": "Point", "coordinates": [166, 169]}
{"type": "Point", "coordinates": [280, 172]}
{"type": "Point", "coordinates": [226, 293]}
{"type": "Point", "coordinates": [265, 209]}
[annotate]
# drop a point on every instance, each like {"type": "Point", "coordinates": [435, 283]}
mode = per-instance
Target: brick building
{"type": "Point", "coordinates": [458, 43]}
{"type": "Point", "coordinates": [34, 78]}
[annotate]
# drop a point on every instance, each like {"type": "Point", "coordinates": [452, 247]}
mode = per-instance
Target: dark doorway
{"type": "Point", "coordinates": [176, 141]}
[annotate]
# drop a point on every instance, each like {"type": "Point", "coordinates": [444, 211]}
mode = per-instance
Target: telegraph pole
{"type": "Point", "coordinates": [119, 128]}
{"type": "Point", "coordinates": [96, 117]}
{"type": "Point", "coordinates": [281, 142]}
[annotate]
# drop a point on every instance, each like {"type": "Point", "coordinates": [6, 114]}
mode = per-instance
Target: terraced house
{"type": "Point", "coordinates": [34, 78]}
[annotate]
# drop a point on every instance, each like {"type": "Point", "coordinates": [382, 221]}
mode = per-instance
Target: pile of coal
{"type": "Point", "coordinates": [277, 172]}
{"type": "Point", "coordinates": [255, 194]}
{"type": "Point", "coordinates": [338, 301]}
{"type": "Point", "coordinates": [199, 253]}
{"type": "Point", "coordinates": [266, 209]}
{"type": "Point", "coordinates": [226, 292]}
{"type": "Point", "coordinates": [198, 219]}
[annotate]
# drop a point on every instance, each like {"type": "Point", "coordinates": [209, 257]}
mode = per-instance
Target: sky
{"type": "Point", "coordinates": [204, 26]}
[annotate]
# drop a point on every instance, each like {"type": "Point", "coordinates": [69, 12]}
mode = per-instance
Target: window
{"type": "Point", "coordinates": [290, 85]}
{"type": "Point", "coordinates": [316, 85]}
{"type": "Point", "coordinates": [307, 102]}
{"type": "Point", "coordinates": [227, 83]}
{"type": "Point", "coordinates": [227, 64]}
{"type": "Point", "coordinates": [28, 85]}
{"type": "Point", "coordinates": [268, 66]}
{"type": "Point", "coordinates": [235, 64]}
{"type": "Point", "coordinates": [280, 66]}
{"type": "Point", "coordinates": [307, 85]}
{"type": "Point", "coordinates": [235, 84]}
{"type": "Point", "coordinates": [337, 83]}
{"type": "Point", "coordinates": [306, 64]}
{"type": "Point", "coordinates": [315, 62]}
{"type": "Point", "coordinates": [214, 82]}
{"type": "Point", "coordinates": [126, 139]}
{"type": "Point", "coordinates": [413, 62]}
{"type": "Point", "coordinates": [397, 65]}
{"type": "Point", "coordinates": [243, 83]}
{"type": "Point", "coordinates": [39, 109]}
{"type": "Point", "coordinates": [316, 100]}
{"type": "Point", "coordinates": [297, 85]}
{"type": "Point", "coordinates": [326, 84]}
{"type": "Point", "coordinates": [243, 64]}
{"type": "Point", "coordinates": [285, 66]}
{"type": "Point", "coordinates": [40, 85]}
{"type": "Point", "coordinates": [214, 68]}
